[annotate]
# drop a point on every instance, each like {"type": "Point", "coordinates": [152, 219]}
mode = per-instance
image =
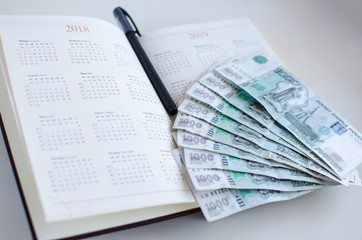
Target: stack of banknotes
{"type": "Point", "coordinates": [250, 133]}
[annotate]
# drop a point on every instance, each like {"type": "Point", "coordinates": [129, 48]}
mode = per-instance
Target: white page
{"type": "Point", "coordinates": [181, 54]}
{"type": "Point", "coordinates": [97, 136]}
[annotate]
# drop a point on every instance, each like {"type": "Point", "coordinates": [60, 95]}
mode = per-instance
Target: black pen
{"type": "Point", "coordinates": [121, 15]}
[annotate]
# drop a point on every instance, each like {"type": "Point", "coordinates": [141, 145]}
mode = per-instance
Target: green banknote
{"type": "Point", "coordinates": [205, 96]}
{"type": "Point", "coordinates": [204, 129]}
{"type": "Point", "coordinates": [209, 179]}
{"type": "Point", "coordinates": [231, 136]}
{"type": "Point", "coordinates": [194, 158]}
{"type": "Point", "coordinates": [294, 105]}
{"type": "Point", "coordinates": [218, 204]}
{"type": "Point", "coordinates": [239, 98]}
{"type": "Point", "coordinates": [189, 140]}
{"type": "Point", "coordinates": [202, 111]}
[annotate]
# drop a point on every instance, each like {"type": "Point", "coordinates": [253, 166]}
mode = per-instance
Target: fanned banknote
{"type": "Point", "coordinates": [190, 140]}
{"type": "Point", "coordinates": [220, 203]}
{"type": "Point", "coordinates": [213, 133]}
{"type": "Point", "coordinates": [201, 159]}
{"type": "Point", "coordinates": [201, 93]}
{"type": "Point", "coordinates": [246, 103]}
{"type": "Point", "coordinates": [231, 93]}
{"type": "Point", "coordinates": [294, 105]}
{"type": "Point", "coordinates": [250, 133]}
{"type": "Point", "coordinates": [202, 111]}
{"type": "Point", "coordinates": [208, 179]}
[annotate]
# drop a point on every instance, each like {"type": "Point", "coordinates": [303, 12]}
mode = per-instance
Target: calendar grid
{"type": "Point", "coordinates": [113, 127]}
{"type": "Point", "coordinates": [170, 169]}
{"type": "Point", "coordinates": [168, 63]}
{"type": "Point", "coordinates": [54, 133]}
{"type": "Point", "coordinates": [35, 52]}
{"type": "Point", "coordinates": [158, 128]}
{"type": "Point", "coordinates": [86, 52]}
{"type": "Point", "coordinates": [93, 86]}
{"type": "Point", "coordinates": [126, 58]}
{"type": "Point", "coordinates": [141, 90]}
{"type": "Point", "coordinates": [46, 89]}
{"type": "Point", "coordinates": [178, 89]}
{"type": "Point", "coordinates": [209, 54]}
{"type": "Point", "coordinates": [129, 168]}
{"type": "Point", "coordinates": [70, 174]}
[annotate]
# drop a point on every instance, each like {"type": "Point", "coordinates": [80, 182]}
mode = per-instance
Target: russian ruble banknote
{"type": "Point", "coordinates": [205, 95]}
{"type": "Point", "coordinates": [245, 102]}
{"type": "Point", "coordinates": [250, 133]}
{"type": "Point", "coordinates": [294, 105]}
{"type": "Point", "coordinates": [203, 111]}
{"type": "Point", "coordinates": [197, 162]}
{"type": "Point", "coordinates": [208, 179]}
{"type": "Point", "coordinates": [190, 140]}
{"type": "Point", "coordinates": [201, 159]}
{"type": "Point", "coordinates": [242, 100]}
{"type": "Point", "coordinates": [220, 203]}
{"type": "Point", "coordinates": [238, 98]}
{"type": "Point", "coordinates": [202, 128]}
{"type": "Point", "coordinates": [234, 138]}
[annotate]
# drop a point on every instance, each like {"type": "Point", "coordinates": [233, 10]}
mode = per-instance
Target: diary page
{"type": "Point", "coordinates": [97, 136]}
{"type": "Point", "coordinates": [181, 54]}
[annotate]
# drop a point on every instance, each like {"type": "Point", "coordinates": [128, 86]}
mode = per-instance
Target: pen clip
{"type": "Point", "coordinates": [130, 18]}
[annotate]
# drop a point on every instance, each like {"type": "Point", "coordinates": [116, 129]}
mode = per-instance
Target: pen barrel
{"type": "Point", "coordinates": [156, 81]}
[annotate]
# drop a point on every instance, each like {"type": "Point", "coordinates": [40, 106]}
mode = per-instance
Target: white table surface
{"type": "Point", "coordinates": [320, 41]}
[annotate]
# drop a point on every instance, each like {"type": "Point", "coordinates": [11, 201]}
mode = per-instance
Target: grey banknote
{"type": "Point", "coordinates": [203, 111]}
{"type": "Point", "coordinates": [204, 129]}
{"type": "Point", "coordinates": [209, 179]}
{"type": "Point", "coordinates": [218, 204]}
{"type": "Point", "coordinates": [190, 140]}
{"type": "Point", "coordinates": [194, 158]}
{"type": "Point", "coordinates": [239, 98]}
{"type": "Point", "coordinates": [294, 105]}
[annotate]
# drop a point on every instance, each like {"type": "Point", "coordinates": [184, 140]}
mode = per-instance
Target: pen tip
{"type": "Point", "coordinates": [172, 110]}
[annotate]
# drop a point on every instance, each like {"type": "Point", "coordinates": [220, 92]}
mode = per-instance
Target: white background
{"type": "Point", "coordinates": [318, 40]}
